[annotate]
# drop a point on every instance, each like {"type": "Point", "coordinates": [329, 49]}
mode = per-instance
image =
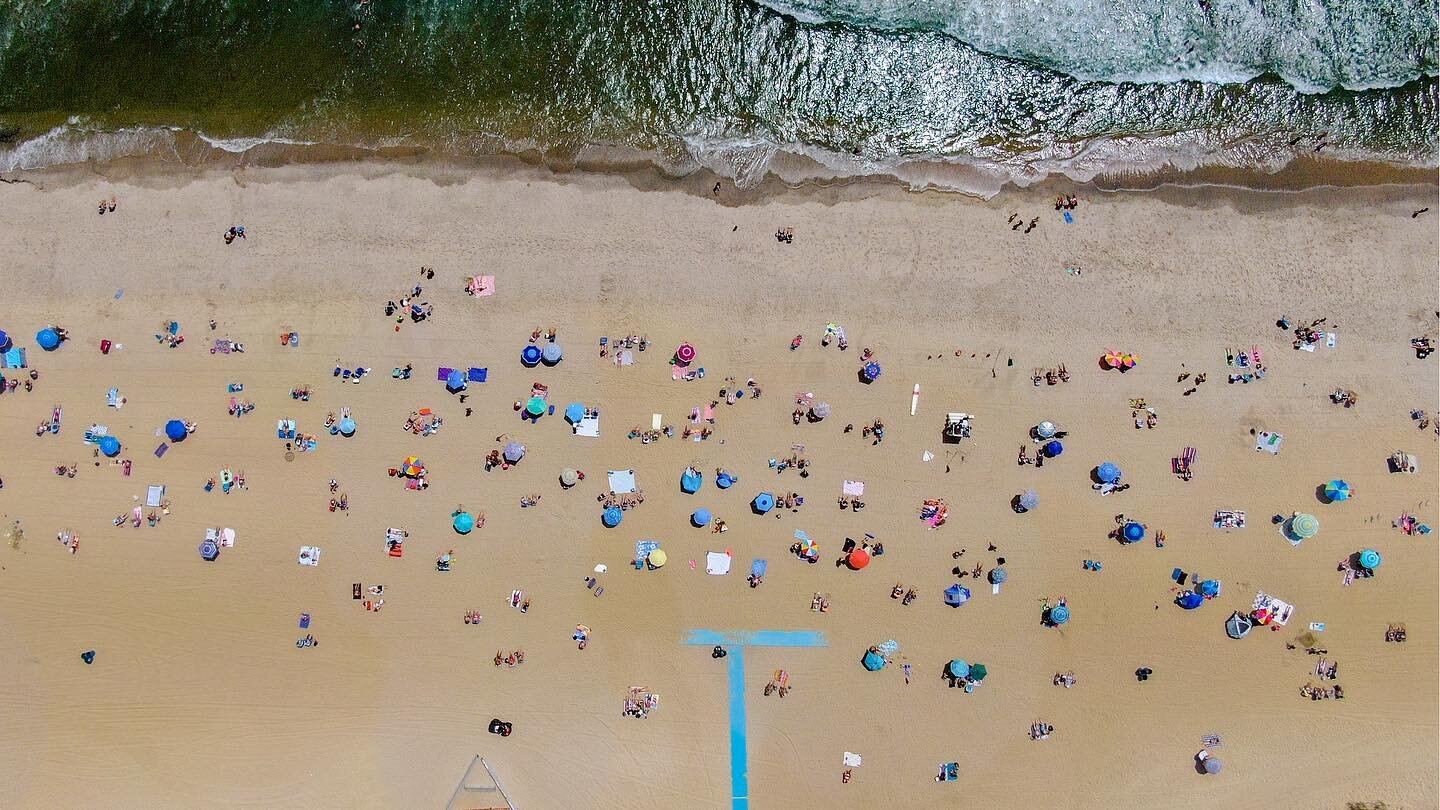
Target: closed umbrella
{"type": "Point", "coordinates": [1108, 473]}
{"type": "Point", "coordinates": [1133, 532]}
{"type": "Point", "coordinates": [857, 559]}
{"type": "Point", "coordinates": [464, 522]}
{"type": "Point", "coordinates": [551, 354]}
{"type": "Point", "coordinates": [1370, 559]}
{"type": "Point", "coordinates": [764, 502]}
{"type": "Point", "coordinates": [110, 446]}
{"type": "Point", "coordinates": [612, 517]}
{"type": "Point", "coordinates": [1053, 448]}
{"type": "Point", "coordinates": [700, 517]}
{"type": "Point", "coordinates": [48, 339]}
{"type": "Point", "coordinates": [1029, 499]}
{"type": "Point", "coordinates": [999, 575]}
{"type": "Point", "coordinates": [574, 412]}
{"type": "Point", "coordinates": [175, 430]}
{"type": "Point", "coordinates": [535, 407]}
{"type": "Point", "coordinates": [569, 477]}
{"type": "Point", "coordinates": [530, 356]}
{"type": "Point", "coordinates": [1045, 430]}
{"type": "Point", "coordinates": [657, 558]}
{"type": "Point", "coordinates": [455, 380]}
{"type": "Point", "coordinates": [958, 668]}
{"type": "Point", "coordinates": [1337, 490]}
{"type": "Point", "coordinates": [1059, 615]}
{"type": "Point", "coordinates": [514, 451]}
{"type": "Point", "coordinates": [347, 426]}
{"type": "Point", "coordinates": [821, 410]}
{"type": "Point", "coordinates": [1303, 525]}
{"type": "Point", "coordinates": [978, 672]}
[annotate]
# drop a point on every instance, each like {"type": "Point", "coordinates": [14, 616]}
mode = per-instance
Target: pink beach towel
{"type": "Point", "coordinates": [709, 413]}
{"type": "Point", "coordinates": [482, 286]}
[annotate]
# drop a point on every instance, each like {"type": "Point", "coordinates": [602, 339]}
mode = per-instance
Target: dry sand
{"type": "Point", "coordinates": [198, 696]}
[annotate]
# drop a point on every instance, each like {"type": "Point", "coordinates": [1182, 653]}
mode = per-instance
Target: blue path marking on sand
{"type": "Point", "coordinates": [737, 641]}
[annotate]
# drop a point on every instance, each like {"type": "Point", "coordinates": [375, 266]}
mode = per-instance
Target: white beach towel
{"type": "Point", "coordinates": [656, 420]}
{"type": "Point", "coordinates": [622, 481]}
{"type": "Point", "coordinates": [309, 555]}
{"type": "Point", "coordinates": [851, 759]}
{"type": "Point", "coordinates": [227, 538]}
{"type": "Point", "coordinates": [717, 563]}
{"type": "Point", "coordinates": [853, 489]}
{"type": "Point", "coordinates": [1269, 442]}
{"type": "Point", "coordinates": [589, 426]}
{"type": "Point", "coordinates": [154, 494]}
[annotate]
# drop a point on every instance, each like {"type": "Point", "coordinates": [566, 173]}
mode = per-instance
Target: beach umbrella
{"type": "Point", "coordinates": [1129, 360]}
{"type": "Point", "coordinates": [612, 517]}
{"type": "Point", "coordinates": [1212, 765]}
{"type": "Point", "coordinates": [464, 522]}
{"type": "Point", "coordinates": [690, 481]}
{"type": "Point", "coordinates": [1190, 601]}
{"type": "Point", "coordinates": [1059, 615]}
{"type": "Point", "coordinates": [48, 339]}
{"type": "Point", "coordinates": [978, 672]}
{"type": "Point", "coordinates": [1053, 448]}
{"type": "Point", "coordinates": [569, 477]}
{"type": "Point", "coordinates": [857, 559]}
{"type": "Point", "coordinates": [764, 502]}
{"type": "Point", "coordinates": [700, 517]}
{"type": "Point", "coordinates": [821, 410]}
{"type": "Point", "coordinates": [724, 480]}
{"type": "Point", "coordinates": [1370, 559]}
{"type": "Point", "coordinates": [4, 341]}
{"type": "Point", "coordinates": [530, 356]}
{"type": "Point", "coordinates": [1133, 532]}
{"type": "Point", "coordinates": [1108, 472]}
{"type": "Point", "coordinates": [958, 668]}
{"type": "Point", "coordinates": [1029, 499]}
{"type": "Point", "coordinates": [1210, 588]}
{"type": "Point", "coordinates": [957, 595]}
{"type": "Point", "coordinates": [514, 451]}
{"type": "Point", "coordinates": [455, 380]}
{"type": "Point", "coordinates": [1111, 358]}
{"type": "Point", "coordinates": [1238, 625]}
{"type": "Point", "coordinates": [175, 430]}
{"type": "Point", "coordinates": [88, 656]}
{"type": "Point", "coordinates": [809, 547]}
{"type": "Point", "coordinates": [999, 575]}
{"type": "Point", "coordinates": [685, 353]}
{"type": "Point", "coordinates": [1045, 430]}
{"type": "Point", "coordinates": [1303, 525]}
{"type": "Point", "coordinates": [1337, 490]}
{"type": "Point", "coordinates": [413, 466]}
{"type": "Point", "coordinates": [872, 371]}
{"type": "Point", "coordinates": [110, 446]}
{"type": "Point", "coordinates": [551, 354]}
{"type": "Point", "coordinates": [535, 407]}
{"type": "Point", "coordinates": [574, 412]}
{"type": "Point", "coordinates": [347, 427]}
{"type": "Point", "coordinates": [209, 550]}
{"type": "Point", "coordinates": [873, 661]}
{"type": "Point", "coordinates": [657, 558]}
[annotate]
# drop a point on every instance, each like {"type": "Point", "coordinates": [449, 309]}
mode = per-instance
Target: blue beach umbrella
{"type": "Point", "coordinates": [347, 427]}
{"type": "Point", "coordinates": [209, 550]}
{"type": "Point", "coordinates": [1337, 490]}
{"type": "Point", "coordinates": [464, 522]}
{"type": "Point", "coordinates": [958, 668]}
{"type": "Point", "coordinates": [872, 371]}
{"type": "Point", "coordinates": [873, 661]}
{"type": "Point", "coordinates": [455, 380]}
{"type": "Point", "coordinates": [175, 430]}
{"type": "Point", "coordinates": [690, 481]}
{"type": "Point", "coordinates": [1370, 559]}
{"type": "Point", "coordinates": [1210, 588]}
{"type": "Point", "coordinates": [574, 412]}
{"type": "Point", "coordinates": [530, 356]}
{"type": "Point", "coordinates": [700, 517]}
{"type": "Point", "coordinates": [1108, 473]}
{"type": "Point", "coordinates": [764, 502]}
{"type": "Point", "coordinates": [110, 446]}
{"type": "Point", "coordinates": [551, 354]}
{"type": "Point", "coordinates": [48, 339]}
{"type": "Point", "coordinates": [1133, 532]}
{"type": "Point", "coordinates": [1059, 615]}
{"type": "Point", "coordinates": [4, 341]}
{"type": "Point", "coordinates": [724, 480]}
{"type": "Point", "coordinates": [612, 517]}
{"type": "Point", "coordinates": [514, 451]}
{"type": "Point", "coordinates": [1190, 601]}
{"type": "Point", "coordinates": [1053, 448]}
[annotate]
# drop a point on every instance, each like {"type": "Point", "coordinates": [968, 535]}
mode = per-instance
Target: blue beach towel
{"type": "Point", "coordinates": [1069, 220]}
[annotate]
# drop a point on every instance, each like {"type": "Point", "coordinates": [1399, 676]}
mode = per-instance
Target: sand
{"type": "Point", "coordinates": [198, 695]}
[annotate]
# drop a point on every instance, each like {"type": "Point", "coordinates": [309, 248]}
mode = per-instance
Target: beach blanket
{"type": "Point", "coordinates": [717, 563]}
{"type": "Point", "coordinates": [442, 373]}
{"type": "Point", "coordinates": [853, 489]}
{"type": "Point", "coordinates": [1269, 442]}
{"type": "Point", "coordinates": [589, 426]}
{"type": "Point", "coordinates": [644, 547]}
{"type": "Point", "coordinates": [622, 481]}
{"type": "Point", "coordinates": [482, 286]}
{"type": "Point", "coordinates": [625, 358]}
{"type": "Point", "coordinates": [1280, 610]}
{"type": "Point", "coordinates": [850, 760]}
{"type": "Point", "coordinates": [309, 555]}
{"type": "Point", "coordinates": [759, 567]}
{"type": "Point", "coordinates": [477, 374]}
{"type": "Point", "coordinates": [15, 358]}
{"type": "Point", "coordinates": [656, 421]}
{"type": "Point", "coordinates": [227, 538]}
{"type": "Point", "coordinates": [154, 494]}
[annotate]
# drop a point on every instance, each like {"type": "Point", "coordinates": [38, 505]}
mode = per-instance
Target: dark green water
{"type": "Point", "coordinates": [727, 83]}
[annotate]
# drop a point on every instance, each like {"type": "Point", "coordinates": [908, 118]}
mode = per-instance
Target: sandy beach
{"type": "Point", "coordinates": [198, 695]}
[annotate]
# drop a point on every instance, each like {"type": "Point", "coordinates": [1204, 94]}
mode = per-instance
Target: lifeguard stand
{"type": "Point", "coordinates": [484, 794]}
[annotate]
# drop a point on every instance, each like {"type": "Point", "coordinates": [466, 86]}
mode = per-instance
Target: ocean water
{"type": "Point", "coordinates": [1007, 90]}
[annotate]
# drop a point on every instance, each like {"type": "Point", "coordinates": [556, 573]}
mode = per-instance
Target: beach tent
{"type": "Point", "coordinates": [175, 430]}
{"type": "Point", "coordinates": [455, 381]}
{"type": "Point", "coordinates": [612, 517]}
{"type": "Point", "coordinates": [1302, 525]}
{"type": "Point", "coordinates": [1190, 601]}
{"type": "Point", "coordinates": [1108, 473]}
{"type": "Point", "coordinates": [347, 427]}
{"type": "Point", "coordinates": [857, 559]}
{"type": "Point", "coordinates": [700, 517]}
{"type": "Point", "coordinates": [958, 668]}
{"type": "Point", "coordinates": [530, 356]}
{"type": "Point", "coordinates": [873, 661]}
{"type": "Point", "coordinates": [656, 558]}
{"type": "Point", "coordinates": [535, 407]}
{"type": "Point", "coordinates": [464, 522]}
{"type": "Point", "coordinates": [1337, 490]}
{"type": "Point", "coordinates": [1133, 532]}
{"type": "Point", "coordinates": [1238, 625]}
{"type": "Point", "coordinates": [1370, 559]}
{"type": "Point", "coordinates": [957, 595]}
{"type": "Point", "coordinates": [110, 446]}
{"type": "Point", "coordinates": [209, 550]}
{"type": "Point", "coordinates": [999, 575]}
{"type": "Point", "coordinates": [574, 412]}
{"type": "Point", "coordinates": [1053, 448]}
{"type": "Point", "coordinates": [551, 354]}
{"type": "Point", "coordinates": [48, 339]}
{"type": "Point", "coordinates": [763, 502]}
{"type": "Point", "coordinates": [514, 451]}
{"type": "Point", "coordinates": [1029, 499]}
{"type": "Point", "coordinates": [1045, 430]}
{"type": "Point", "coordinates": [978, 672]}
{"type": "Point", "coordinates": [690, 481]}
{"type": "Point", "coordinates": [569, 477]}
{"type": "Point", "coordinates": [1057, 615]}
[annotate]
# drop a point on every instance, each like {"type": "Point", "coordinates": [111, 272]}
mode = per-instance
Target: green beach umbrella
{"type": "Point", "coordinates": [535, 406]}
{"type": "Point", "coordinates": [978, 672]}
{"type": "Point", "coordinates": [1304, 525]}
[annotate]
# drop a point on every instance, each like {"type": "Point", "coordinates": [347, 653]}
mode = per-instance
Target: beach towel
{"type": "Point", "coordinates": [1280, 610]}
{"type": "Point", "coordinates": [717, 563]}
{"type": "Point", "coordinates": [477, 374]}
{"type": "Point", "coordinates": [656, 421]}
{"type": "Point", "coordinates": [759, 567]}
{"type": "Point", "coordinates": [309, 555]}
{"type": "Point", "coordinates": [625, 358]}
{"type": "Point", "coordinates": [709, 413]}
{"type": "Point", "coordinates": [1269, 442]}
{"type": "Point", "coordinates": [15, 358]}
{"type": "Point", "coordinates": [850, 760]}
{"type": "Point", "coordinates": [482, 286]}
{"type": "Point", "coordinates": [644, 547]}
{"type": "Point", "coordinates": [589, 426]}
{"type": "Point", "coordinates": [853, 489]}
{"type": "Point", "coordinates": [95, 433]}
{"type": "Point", "coordinates": [227, 537]}
{"type": "Point", "coordinates": [442, 373]}
{"type": "Point", "coordinates": [154, 494]}
{"type": "Point", "coordinates": [112, 398]}
{"type": "Point", "coordinates": [622, 481]}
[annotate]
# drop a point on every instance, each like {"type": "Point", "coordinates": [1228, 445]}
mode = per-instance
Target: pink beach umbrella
{"type": "Point", "coordinates": [685, 353]}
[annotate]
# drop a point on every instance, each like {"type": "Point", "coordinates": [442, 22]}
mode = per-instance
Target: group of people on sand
{"type": "Point", "coordinates": [1395, 633]}
{"type": "Point", "coordinates": [416, 310]}
{"type": "Point", "coordinates": [624, 500]}
{"type": "Point", "coordinates": [1314, 692]}
{"type": "Point", "coordinates": [668, 431]}
{"type": "Point", "coordinates": [11, 385]}
{"type": "Point", "coordinates": [514, 659]}
{"type": "Point", "coordinates": [615, 344]}
{"type": "Point", "coordinates": [107, 206]}
{"type": "Point", "coordinates": [234, 232]}
{"type": "Point", "coordinates": [1065, 679]}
